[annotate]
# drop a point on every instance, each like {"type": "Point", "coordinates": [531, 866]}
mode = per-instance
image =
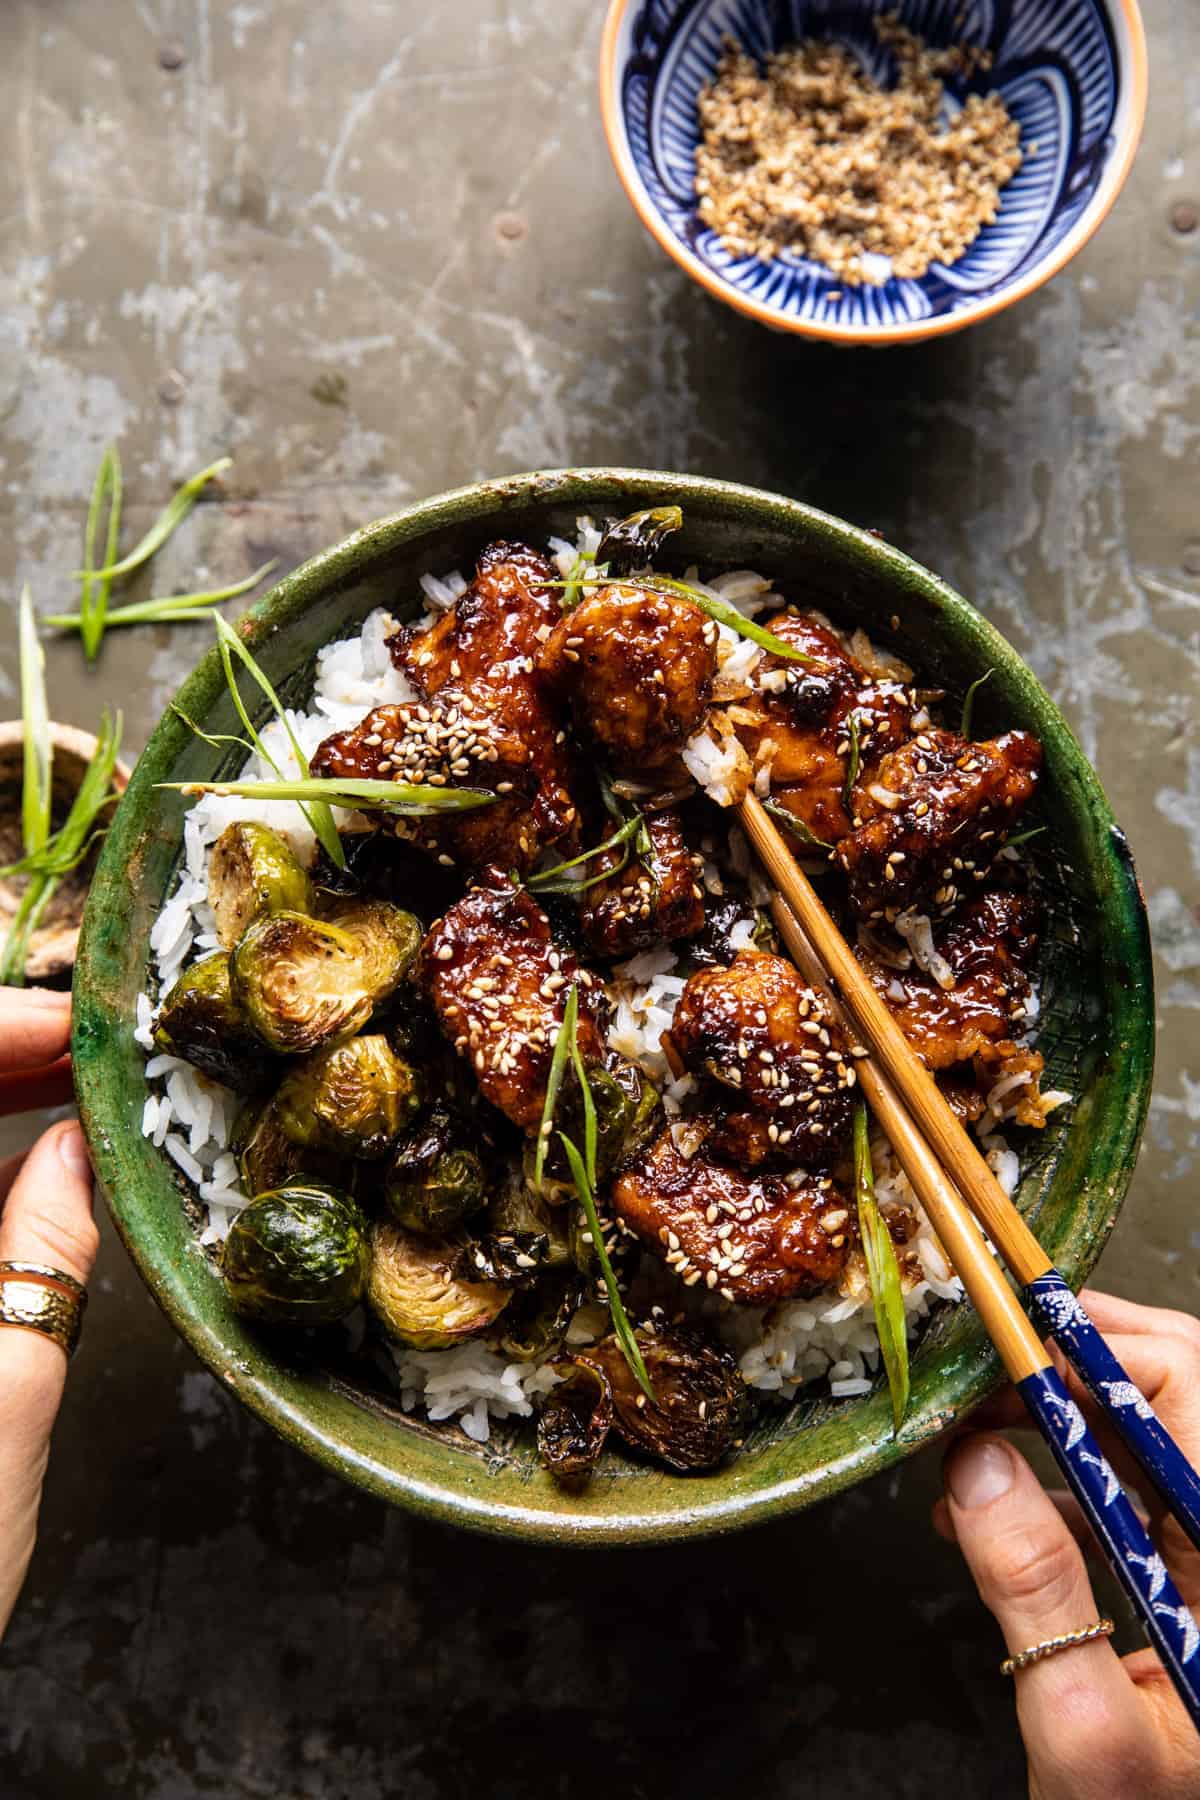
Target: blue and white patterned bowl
{"type": "Point", "coordinates": [1072, 73]}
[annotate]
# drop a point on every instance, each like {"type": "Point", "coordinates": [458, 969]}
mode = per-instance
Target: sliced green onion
{"type": "Point", "coordinates": [1023, 837]}
{"type": "Point", "coordinates": [968, 704]}
{"type": "Point", "coordinates": [173, 514]}
{"type": "Point", "coordinates": [852, 767]}
{"type": "Point", "coordinates": [792, 823]}
{"type": "Point", "coordinates": [622, 1329]}
{"type": "Point", "coordinates": [93, 595]}
{"type": "Point", "coordinates": [558, 1064]}
{"type": "Point", "coordinates": [883, 1272]}
{"type": "Point", "coordinates": [720, 610]}
{"type": "Point", "coordinates": [167, 610]}
{"type": "Point", "coordinates": [405, 799]}
{"type": "Point", "coordinates": [549, 881]}
{"type": "Point", "coordinates": [36, 790]}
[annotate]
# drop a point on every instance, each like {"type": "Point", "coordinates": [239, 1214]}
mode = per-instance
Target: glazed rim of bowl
{"type": "Point", "coordinates": [316, 1413]}
{"type": "Point", "coordinates": [1132, 66]}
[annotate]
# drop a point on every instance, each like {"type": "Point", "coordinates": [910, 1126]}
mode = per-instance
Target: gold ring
{"type": "Point", "coordinates": [1021, 1659]}
{"type": "Point", "coordinates": [35, 1297]}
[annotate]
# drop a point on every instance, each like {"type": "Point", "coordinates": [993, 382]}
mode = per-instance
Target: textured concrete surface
{"type": "Point", "coordinates": [374, 250]}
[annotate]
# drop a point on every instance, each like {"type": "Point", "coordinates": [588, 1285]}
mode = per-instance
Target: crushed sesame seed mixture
{"type": "Point", "coordinates": [811, 156]}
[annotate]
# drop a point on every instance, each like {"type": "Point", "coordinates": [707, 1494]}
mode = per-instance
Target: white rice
{"type": "Point", "coordinates": [191, 1117]}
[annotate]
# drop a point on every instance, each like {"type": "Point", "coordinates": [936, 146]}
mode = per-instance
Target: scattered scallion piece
{"type": "Point", "coordinates": [61, 852]}
{"type": "Point", "coordinates": [720, 610]}
{"type": "Point", "coordinates": [96, 588]}
{"type": "Point", "coordinates": [173, 514]}
{"type": "Point", "coordinates": [883, 1271]}
{"type": "Point", "coordinates": [574, 582]}
{"type": "Point", "coordinates": [404, 799]}
{"type": "Point", "coordinates": [551, 881]}
{"type": "Point", "coordinates": [1023, 837]}
{"type": "Point", "coordinates": [171, 609]}
{"type": "Point", "coordinates": [795, 825]}
{"type": "Point", "coordinates": [36, 797]}
{"type": "Point", "coordinates": [622, 1329]}
{"type": "Point", "coordinates": [853, 765]}
{"type": "Point", "coordinates": [558, 1064]}
{"type": "Point", "coordinates": [968, 704]}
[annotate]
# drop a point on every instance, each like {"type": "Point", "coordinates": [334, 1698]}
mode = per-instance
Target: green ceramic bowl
{"type": "Point", "coordinates": [1097, 1017]}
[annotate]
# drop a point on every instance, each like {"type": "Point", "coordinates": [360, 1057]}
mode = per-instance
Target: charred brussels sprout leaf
{"type": "Point", "coordinates": [353, 1098]}
{"type": "Point", "coordinates": [297, 1256]}
{"type": "Point", "coordinates": [302, 982]}
{"type": "Point", "coordinates": [510, 1259]}
{"type": "Point", "coordinates": [536, 1322]}
{"type": "Point", "coordinates": [380, 866]}
{"type": "Point", "coordinates": [629, 1115]}
{"type": "Point", "coordinates": [267, 1158]}
{"type": "Point", "coordinates": [575, 1422]}
{"type": "Point", "coordinates": [702, 1403]}
{"type": "Point", "coordinates": [417, 1297]}
{"type": "Point", "coordinates": [201, 1022]}
{"type": "Point", "coordinates": [434, 1182]}
{"type": "Point", "coordinates": [631, 543]}
{"type": "Point", "coordinates": [253, 873]}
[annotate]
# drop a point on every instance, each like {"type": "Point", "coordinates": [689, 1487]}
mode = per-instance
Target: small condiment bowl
{"type": "Point", "coordinates": [52, 947]}
{"type": "Point", "coordinates": [1072, 74]}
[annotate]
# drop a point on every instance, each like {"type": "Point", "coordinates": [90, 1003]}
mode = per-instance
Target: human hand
{"type": "Point", "coordinates": [45, 1217]}
{"type": "Point", "coordinates": [1096, 1727]}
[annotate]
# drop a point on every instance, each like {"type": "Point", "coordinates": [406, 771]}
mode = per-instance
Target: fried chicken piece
{"type": "Point", "coordinates": [989, 946]}
{"type": "Point", "coordinates": [654, 897]}
{"type": "Point", "coordinates": [638, 667]}
{"type": "Point", "coordinates": [499, 983]}
{"type": "Point", "coordinates": [487, 644]}
{"type": "Point", "coordinates": [955, 804]}
{"type": "Point", "coordinates": [756, 1239]}
{"type": "Point", "coordinates": [451, 741]}
{"type": "Point", "coordinates": [799, 723]}
{"type": "Point", "coordinates": [766, 1037]}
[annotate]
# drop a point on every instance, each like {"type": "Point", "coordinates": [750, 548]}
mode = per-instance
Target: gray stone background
{"type": "Point", "coordinates": [373, 250]}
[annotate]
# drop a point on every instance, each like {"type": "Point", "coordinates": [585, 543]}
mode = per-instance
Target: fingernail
{"type": "Point", "coordinates": [978, 1473]}
{"type": "Point", "coordinates": [46, 997]}
{"type": "Point", "coordinates": [73, 1151]}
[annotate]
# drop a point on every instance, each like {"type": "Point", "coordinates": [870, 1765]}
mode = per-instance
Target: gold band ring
{"type": "Point", "coordinates": [35, 1297]}
{"type": "Point", "coordinates": [1021, 1659]}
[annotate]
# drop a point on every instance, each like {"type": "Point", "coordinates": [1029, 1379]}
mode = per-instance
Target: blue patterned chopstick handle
{"type": "Point", "coordinates": [1057, 1312]}
{"type": "Point", "coordinates": [1134, 1560]}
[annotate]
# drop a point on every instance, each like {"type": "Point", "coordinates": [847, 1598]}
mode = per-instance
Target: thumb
{"type": "Point", "coordinates": [1077, 1709]}
{"type": "Point", "coordinates": [47, 1218]}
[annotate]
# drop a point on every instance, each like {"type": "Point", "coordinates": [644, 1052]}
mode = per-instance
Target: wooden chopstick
{"type": "Point", "coordinates": [895, 1056]}
{"type": "Point", "coordinates": [1010, 1330]}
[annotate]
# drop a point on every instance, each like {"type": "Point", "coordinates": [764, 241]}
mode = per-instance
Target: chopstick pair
{"type": "Point", "coordinates": [949, 1175]}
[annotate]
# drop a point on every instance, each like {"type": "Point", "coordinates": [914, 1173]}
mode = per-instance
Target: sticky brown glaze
{"type": "Point", "coordinates": [487, 643]}
{"type": "Point", "coordinates": [801, 727]}
{"type": "Point", "coordinates": [638, 668]}
{"type": "Point", "coordinates": [654, 899]}
{"type": "Point", "coordinates": [454, 740]}
{"type": "Point", "coordinates": [990, 946]}
{"type": "Point", "coordinates": [768, 1039]}
{"type": "Point", "coordinates": [498, 983]}
{"type": "Point", "coordinates": [756, 1239]}
{"type": "Point", "coordinates": [955, 804]}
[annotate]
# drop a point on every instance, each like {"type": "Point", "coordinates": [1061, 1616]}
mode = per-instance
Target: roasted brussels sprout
{"type": "Point", "coordinates": [200, 1021]}
{"type": "Point", "coordinates": [631, 543]}
{"type": "Point", "coordinates": [388, 939]}
{"type": "Point", "coordinates": [700, 1407]}
{"type": "Point", "coordinates": [303, 982]}
{"type": "Point", "coordinates": [629, 1115]}
{"type": "Point", "coordinates": [353, 1098]}
{"type": "Point", "coordinates": [574, 1422]}
{"type": "Point", "coordinates": [251, 873]}
{"type": "Point", "coordinates": [510, 1259]}
{"type": "Point", "coordinates": [415, 1295]}
{"type": "Point", "coordinates": [434, 1182]}
{"type": "Point", "coordinates": [297, 1256]}
{"type": "Point", "coordinates": [536, 1321]}
{"type": "Point", "coordinates": [267, 1158]}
